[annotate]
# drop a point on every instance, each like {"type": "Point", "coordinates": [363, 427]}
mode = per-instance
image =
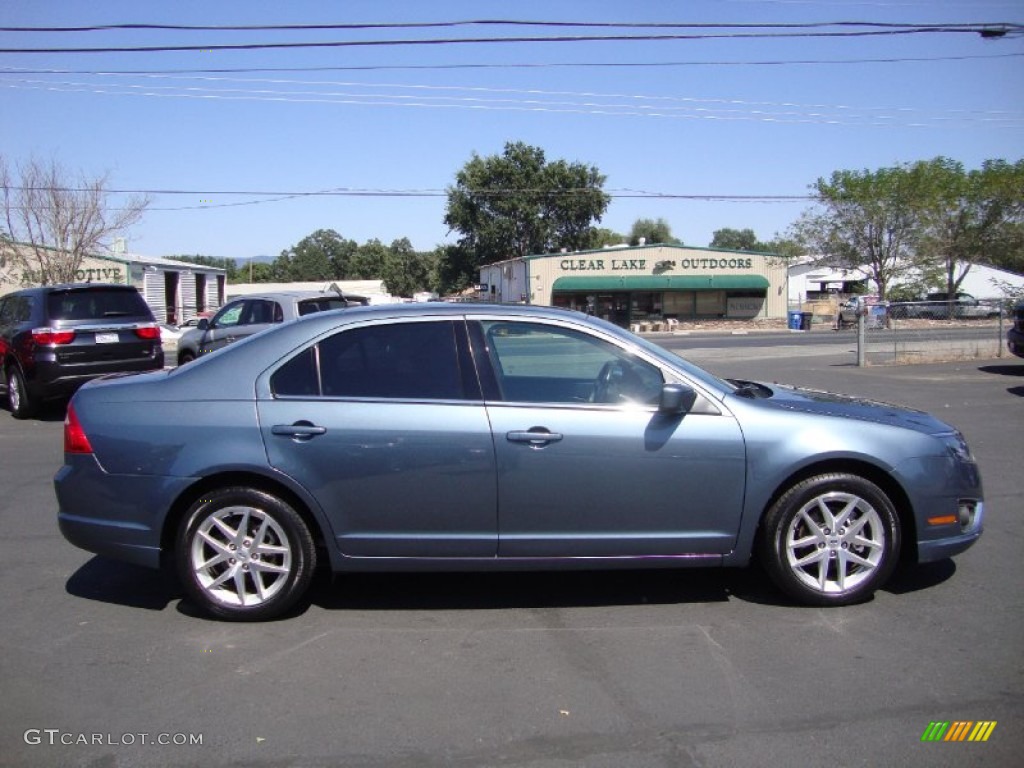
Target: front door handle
{"type": "Point", "coordinates": [536, 437]}
{"type": "Point", "coordinates": [300, 431]}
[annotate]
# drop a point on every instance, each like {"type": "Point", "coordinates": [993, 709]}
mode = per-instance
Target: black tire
{"type": "Point", "coordinates": [244, 555]}
{"type": "Point", "coordinates": [185, 358]}
{"type": "Point", "coordinates": [832, 539]}
{"type": "Point", "coordinates": [22, 404]}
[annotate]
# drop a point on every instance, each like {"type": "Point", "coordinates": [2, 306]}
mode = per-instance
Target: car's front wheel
{"type": "Point", "coordinates": [186, 357]}
{"type": "Point", "coordinates": [244, 555]}
{"type": "Point", "coordinates": [21, 403]}
{"type": "Point", "coordinates": [832, 539]}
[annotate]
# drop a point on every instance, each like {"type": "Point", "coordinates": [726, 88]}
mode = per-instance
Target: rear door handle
{"type": "Point", "coordinates": [300, 431]}
{"type": "Point", "coordinates": [536, 437]}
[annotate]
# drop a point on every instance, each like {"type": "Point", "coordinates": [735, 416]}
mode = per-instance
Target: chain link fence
{"type": "Point", "coordinates": [901, 333]}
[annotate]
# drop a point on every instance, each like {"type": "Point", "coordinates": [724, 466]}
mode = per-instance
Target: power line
{"type": "Point", "coordinates": [359, 192]}
{"type": "Point", "coordinates": [982, 30]}
{"type": "Point", "coordinates": [513, 65]}
{"type": "Point", "coordinates": [665, 107]}
{"type": "Point", "coordinates": [972, 27]}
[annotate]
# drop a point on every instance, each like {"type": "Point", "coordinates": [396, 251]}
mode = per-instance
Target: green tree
{"type": "Point", "coordinates": [967, 217]}
{"type": "Point", "coordinates": [601, 236]}
{"type": "Point", "coordinates": [517, 204]}
{"type": "Point", "coordinates": [405, 271]}
{"type": "Point", "coordinates": [652, 231]}
{"type": "Point", "coordinates": [864, 219]}
{"type": "Point", "coordinates": [738, 240]}
{"type": "Point", "coordinates": [323, 255]}
{"type": "Point", "coordinates": [787, 247]}
{"type": "Point", "coordinates": [455, 269]}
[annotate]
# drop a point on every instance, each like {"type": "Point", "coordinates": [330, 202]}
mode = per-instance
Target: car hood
{"type": "Point", "coordinates": [845, 406]}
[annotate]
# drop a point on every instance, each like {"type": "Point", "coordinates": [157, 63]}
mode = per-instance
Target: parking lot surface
{"type": "Point", "coordinates": [104, 664]}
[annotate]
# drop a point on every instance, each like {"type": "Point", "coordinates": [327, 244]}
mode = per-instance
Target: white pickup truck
{"type": "Point", "coordinates": [939, 306]}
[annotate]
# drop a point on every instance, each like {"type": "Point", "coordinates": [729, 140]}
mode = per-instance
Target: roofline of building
{"type": "Point", "coordinates": [624, 248]}
{"type": "Point", "coordinates": [131, 258]}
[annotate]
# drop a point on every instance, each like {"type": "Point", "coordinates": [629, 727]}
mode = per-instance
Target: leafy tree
{"type": "Point", "coordinates": [455, 269]}
{"type": "Point", "coordinates": [864, 219]}
{"type": "Point", "coordinates": [323, 255]}
{"type": "Point", "coordinates": [516, 204]}
{"type": "Point", "coordinates": [53, 219]}
{"type": "Point", "coordinates": [967, 217]}
{"type": "Point", "coordinates": [405, 271]}
{"type": "Point", "coordinates": [786, 247]}
{"type": "Point", "coordinates": [261, 272]}
{"type": "Point", "coordinates": [738, 240]}
{"type": "Point", "coordinates": [652, 231]}
{"type": "Point", "coordinates": [600, 237]}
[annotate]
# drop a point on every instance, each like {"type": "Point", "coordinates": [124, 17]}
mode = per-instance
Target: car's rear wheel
{"type": "Point", "coordinates": [832, 539]}
{"type": "Point", "coordinates": [21, 403]}
{"type": "Point", "coordinates": [244, 555]}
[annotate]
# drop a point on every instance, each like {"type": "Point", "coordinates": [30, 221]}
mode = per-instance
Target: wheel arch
{"type": "Point", "coordinates": [186, 498]}
{"type": "Point", "coordinates": [871, 472]}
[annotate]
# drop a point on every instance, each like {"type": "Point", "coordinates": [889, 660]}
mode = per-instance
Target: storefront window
{"type": "Point", "coordinates": [678, 304]}
{"type": "Point", "coordinates": [710, 304]}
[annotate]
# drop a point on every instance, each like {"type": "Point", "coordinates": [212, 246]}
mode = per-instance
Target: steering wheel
{"type": "Point", "coordinates": [614, 380]}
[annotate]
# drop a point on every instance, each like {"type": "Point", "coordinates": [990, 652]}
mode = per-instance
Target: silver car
{"type": "Point", "coordinates": [482, 437]}
{"type": "Point", "coordinates": [247, 315]}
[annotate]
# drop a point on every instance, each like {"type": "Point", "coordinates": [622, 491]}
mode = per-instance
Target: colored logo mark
{"type": "Point", "coordinates": [959, 730]}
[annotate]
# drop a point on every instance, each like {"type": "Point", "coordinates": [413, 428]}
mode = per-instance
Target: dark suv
{"type": "Point", "coordinates": [1015, 336]}
{"type": "Point", "coordinates": [55, 338]}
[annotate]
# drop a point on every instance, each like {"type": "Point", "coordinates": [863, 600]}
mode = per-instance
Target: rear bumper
{"type": "Point", "coordinates": [133, 507]}
{"type": "Point", "coordinates": [49, 380]}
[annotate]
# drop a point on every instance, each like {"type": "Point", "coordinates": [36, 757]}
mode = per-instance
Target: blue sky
{"type": "Point", "coordinates": [393, 124]}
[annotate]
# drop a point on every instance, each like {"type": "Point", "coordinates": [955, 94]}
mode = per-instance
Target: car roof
{"type": "Point", "coordinates": [285, 295]}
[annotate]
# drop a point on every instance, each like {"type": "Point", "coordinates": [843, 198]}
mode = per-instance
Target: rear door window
{"type": "Point", "coordinates": [408, 361]}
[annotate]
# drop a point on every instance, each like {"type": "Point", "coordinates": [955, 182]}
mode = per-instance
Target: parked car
{"type": "Point", "coordinates": [483, 437]}
{"type": "Point", "coordinates": [853, 307]}
{"type": "Point", "coordinates": [1015, 336]}
{"type": "Point", "coordinates": [55, 338]}
{"type": "Point", "coordinates": [247, 315]}
{"type": "Point", "coordinates": [939, 306]}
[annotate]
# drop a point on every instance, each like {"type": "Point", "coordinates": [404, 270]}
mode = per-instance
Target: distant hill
{"type": "Point", "coordinates": [240, 262]}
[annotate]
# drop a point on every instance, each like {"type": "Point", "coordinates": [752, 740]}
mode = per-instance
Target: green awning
{"type": "Point", "coordinates": [604, 283]}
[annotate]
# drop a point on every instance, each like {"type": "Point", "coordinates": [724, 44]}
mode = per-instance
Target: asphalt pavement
{"type": "Point", "coordinates": [102, 661]}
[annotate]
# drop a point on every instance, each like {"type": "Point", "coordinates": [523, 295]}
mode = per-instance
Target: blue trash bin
{"type": "Point", "coordinates": [795, 319]}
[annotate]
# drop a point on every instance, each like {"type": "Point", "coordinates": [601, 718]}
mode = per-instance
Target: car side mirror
{"type": "Point", "coordinates": [676, 399]}
{"type": "Point", "coordinates": [203, 324]}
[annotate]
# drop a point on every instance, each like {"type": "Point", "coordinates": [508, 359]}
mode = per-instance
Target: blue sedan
{"type": "Point", "coordinates": [461, 437]}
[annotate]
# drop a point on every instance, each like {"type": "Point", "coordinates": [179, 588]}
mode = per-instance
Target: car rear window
{"type": "Point", "coordinates": [96, 303]}
{"type": "Point", "coordinates": [309, 306]}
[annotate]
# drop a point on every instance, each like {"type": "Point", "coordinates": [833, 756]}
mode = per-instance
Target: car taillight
{"type": "Point", "coordinates": [75, 440]}
{"type": "Point", "coordinates": [45, 337]}
{"type": "Point", "coordinates": [148, 332]}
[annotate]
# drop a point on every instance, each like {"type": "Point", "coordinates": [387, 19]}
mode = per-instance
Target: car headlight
{"type": "Point", "coordinates": [957, 446]}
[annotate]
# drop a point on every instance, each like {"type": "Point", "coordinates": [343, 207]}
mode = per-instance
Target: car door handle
{"type": "Point", "coordinates": [300, 431]}
{"type": "Point", "coordinates": [537, 437]}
